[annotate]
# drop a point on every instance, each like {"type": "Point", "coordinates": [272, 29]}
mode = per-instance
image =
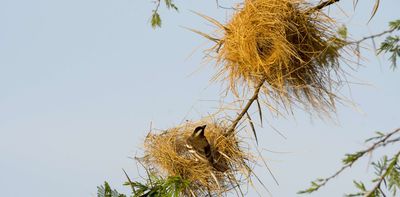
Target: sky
{"type": "Point", "coordinates": [82, 80]}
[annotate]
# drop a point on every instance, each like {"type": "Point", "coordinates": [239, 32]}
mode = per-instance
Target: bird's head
{"type": "Point", "coordinates": [199, 131]}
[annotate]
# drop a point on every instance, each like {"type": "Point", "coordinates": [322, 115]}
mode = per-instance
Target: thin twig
{"type": "Point", "coordinates": [323, 5]}
{"type": "Point", "coordinates": [223, 7]}
{"type": "Point", "coordinates": [157, 2]}
{"type": "Point", "coordinates": [246, 108]}
{"type": "Point", "coordinates": [373, 36]}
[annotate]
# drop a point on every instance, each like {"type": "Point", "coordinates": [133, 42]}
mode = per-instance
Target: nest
{"type": "Point", "coordinates": [286, 44]}
{"type": "Point", "coordinates": [167, 155]}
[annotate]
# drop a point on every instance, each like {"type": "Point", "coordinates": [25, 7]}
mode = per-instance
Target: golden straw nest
{"type": "Point", "coordinates": [285, 43]}
{"type": "Point", "coordinates": [167, 155]}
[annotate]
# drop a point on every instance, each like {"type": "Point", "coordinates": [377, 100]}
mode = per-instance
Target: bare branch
{"type": "Point", "coordinates": [246, 108]}
{"type": "Point", "coordinates": [157, 2]}
{"type": "Point", "coordinates": [322, 5]}
{"type": "Point", "coordinates": [325, 4]}
{"type": "Point", "coordinates": [372, 36]}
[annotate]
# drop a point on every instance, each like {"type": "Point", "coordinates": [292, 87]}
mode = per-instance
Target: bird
{"type": "Point", "coordinates": [198, 144]}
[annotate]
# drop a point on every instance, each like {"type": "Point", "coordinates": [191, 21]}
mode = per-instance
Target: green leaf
{"type": "Point", "coordinates": [379, 134]}
{"type": "Point", "coordinates": [315, 185]}
{"type": "Point", "coordinates": [351, 158]}
{"type": "Point", "coordinates": [395, 24]}
{"type": "Point", "coordinates": [391, 45]}
{"type": "Point", "coordinates": [342, 31]}
{"type": "Point", "coordinates": [171, 5]}
{"type": "Point", "coordinates": [171, 186]}
{"type": "Point", "coordinates": [106, 191]}
{"type": "Point", "coordinates": [155, 20]}
{"type": "Point", "coordinates": [360, 185]}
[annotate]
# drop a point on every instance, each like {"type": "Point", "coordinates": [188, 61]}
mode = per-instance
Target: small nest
{"type": "Point", "coordinates": [167, 155]}
{"type": "Point", "coordinates": [288, 45]}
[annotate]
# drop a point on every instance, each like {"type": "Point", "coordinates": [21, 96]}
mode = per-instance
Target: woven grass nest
{"type": "Point", "coordinates": [167, 155]}
{"type": "Point", "coordinates": [287, 44]}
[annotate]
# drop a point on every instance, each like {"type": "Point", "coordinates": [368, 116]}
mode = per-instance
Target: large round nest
{"type": "Point", "coordinates": [167, 155]}
{"type": "Point", "coordinates": [288, 45]}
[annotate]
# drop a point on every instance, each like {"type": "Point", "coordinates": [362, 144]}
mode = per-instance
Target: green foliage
{"type": "Point", "coordinates": [106, 191]}
{"type": "Point", "coordinates": [392, 175]}
{"type": "Point", "coordinates": [155, 20]}
{"type": "Point", "coordinates": [351, 158]}
{"type": "Point", "coordinates": [171, 5]}
{"type": "Point", "coordinates": [155, 17]}
{"type": "Point", "coordinates": [379, 136]}
{"type": "Point", "coordinates": [155, 186]}
{"type": "Point", "coordinates": [361, 187]}
{"type": "Point", "coordinates": [315, 185]}
{"type": "Point", "coordinates": [342, 31]}
{"type": "Point", "coordinates": [395, 25]}
{"type": "Point", "coordinates": [387, 170]}
{"type": "Point", "coordinates": [158, 187]}
{"type": "Point", "coordinates": [391, 45]}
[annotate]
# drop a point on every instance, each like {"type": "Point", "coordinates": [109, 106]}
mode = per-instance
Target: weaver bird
{"type": "Point", "coordinates": [198, 145]}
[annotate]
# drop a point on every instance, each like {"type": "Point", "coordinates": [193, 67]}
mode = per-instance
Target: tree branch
{"type": "Point", "coordinates": [322, 5]}
{"type": "Point", "coordinates": [376, 145]}
{"type": "Point", "coordinates": [383, 176]}
{"type": "Point", "coordinates": [373, 36]}
{"type": "Point", "coordinates": [325, 4]}
{"type": "Point", "coordinates": [157, 2]}
{"type": "Point", "coordinates": [380, 143]}
{"type": "Point", "coordinates": [246, 108]}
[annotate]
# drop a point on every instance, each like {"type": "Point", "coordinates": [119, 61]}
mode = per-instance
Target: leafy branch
{"type": "Point", "coordinates": [380, 140]}
{"type": "Point", "coordinates": [155, 17]}
{"type": "Point", "coordinates": [373, 36]}
{"type": "Point", "coordinates": [389, 169]}
{"type": "Point", "coordinates": [388, 172]}
{"type": "Point", "coordinates": [391, 44]}
{"type": "Point", "coordinates": [106, 191]}
{"type": "Point", "coordinates": [156, 186]}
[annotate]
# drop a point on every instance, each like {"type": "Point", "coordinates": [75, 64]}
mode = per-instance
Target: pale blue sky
{"type": "Point", "coordinates": [81, 80]}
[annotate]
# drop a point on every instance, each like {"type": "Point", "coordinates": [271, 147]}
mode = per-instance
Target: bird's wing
{"type": "Point", "coordinates": [207, 153]}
